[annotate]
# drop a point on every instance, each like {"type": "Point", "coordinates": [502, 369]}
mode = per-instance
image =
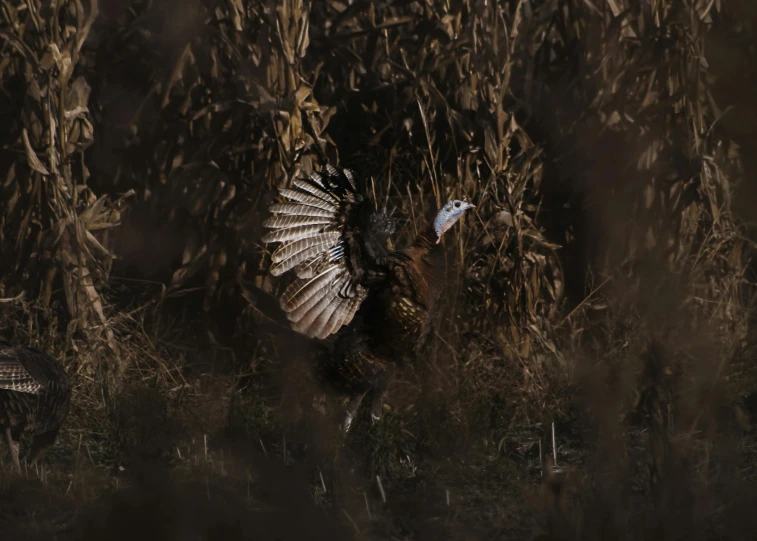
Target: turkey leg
{"type": "Point", "coordinates": [379, 394]}
{"type": "Point", "coordinates": [40, 444]}
{"type": "Point", "coordinates": [352, 408]}
{"type": "Point", "coordinates": [14, 447]}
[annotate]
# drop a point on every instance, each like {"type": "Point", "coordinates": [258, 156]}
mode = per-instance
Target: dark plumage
{"type": "Point", "coordinates": [34, 398]}
{"type": "Point", "coordinates": [369, 305]}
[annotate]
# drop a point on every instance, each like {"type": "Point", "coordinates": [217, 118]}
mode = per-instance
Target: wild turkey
{"type": "Point", "coordinates": [34, 398]}
{"type": "Point", "coordinates": [371, 306]}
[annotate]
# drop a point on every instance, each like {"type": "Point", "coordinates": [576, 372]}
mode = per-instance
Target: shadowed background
{"type": "Point", "coordinates": [603, 286]}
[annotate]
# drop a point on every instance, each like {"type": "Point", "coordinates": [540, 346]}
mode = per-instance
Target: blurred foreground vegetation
{"type": "Point", "coordinates": [599, 308]}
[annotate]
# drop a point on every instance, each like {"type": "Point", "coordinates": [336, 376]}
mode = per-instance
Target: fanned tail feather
{"type": "Point", "coordinates": [321, 317]}
{"type": "Point", "coordinates": [280, 268]}
{"type": "Point", "coordinates": [350, 309]}
{"type": "Point", "coordinates": [293, 233]}
{"type": "Point", "coordinates": [307, 199]}
{"type": "Point", "coordinates": [301, 290]}
{"type": "Point", "coordinates": [296, 315]}
{"type": "Point", "coordinates": [284, 221]}
{"type": "Point", "coordinates": [300, 209]}
{"type": "Point", "coordinates": [336, 319]}
{"type": "Point", "coordinates": [350, 177]}
{"type": "Point", "coordinates": [308, 269]}
{"type": "Point", "coordinates": [306, 321]}
{"type": "Point", "coordinates": [317, 190]}
{"type": "Point", "coordinates": [342, 181]}
{"type": "Point", "coordinates": [336, 316]}
{"type": "Point", "coordinates": [348, 290]}
{"type": "Point", "coordinates": [322, 242]}
{"type": "Point", "coordinates": [317, 178]}
{"type": "Point", "coordinates": [310, 223]}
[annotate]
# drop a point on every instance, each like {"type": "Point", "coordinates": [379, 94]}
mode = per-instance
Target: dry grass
{"type": "Point", "coordinates": [603, 286]}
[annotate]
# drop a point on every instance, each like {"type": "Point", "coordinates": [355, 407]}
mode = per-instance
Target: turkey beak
{"type": "Point", "coordinates": [468, 205]}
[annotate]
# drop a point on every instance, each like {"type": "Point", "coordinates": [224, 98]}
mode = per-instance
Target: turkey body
{"type": "Point", "coordinates": [370, 307]}
{"type": "Point", "coordinates": [389, 330]}
{"type": "Point", "coordinates": [35, 394]}
{"type": "Point", "coordinates": [394, 320]}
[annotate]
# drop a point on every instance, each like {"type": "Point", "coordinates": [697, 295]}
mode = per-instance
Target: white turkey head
{"type": "Point", "coordinates": [449, 214]}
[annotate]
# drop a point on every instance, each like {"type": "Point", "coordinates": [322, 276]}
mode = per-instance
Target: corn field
{"type": "Point", "coordinates": [591, 372]}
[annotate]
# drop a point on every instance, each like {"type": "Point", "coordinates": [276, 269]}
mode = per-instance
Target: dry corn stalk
{"type": "Point", "coordinates": [231, 114]}
{"type": "Point", "coordinates": [51, 221]}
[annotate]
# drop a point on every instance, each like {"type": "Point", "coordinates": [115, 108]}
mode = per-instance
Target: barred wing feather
{"type": "Point", "coordinates": [320, 241]}
{"type": "Point", "coordinates": [13, 375]}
